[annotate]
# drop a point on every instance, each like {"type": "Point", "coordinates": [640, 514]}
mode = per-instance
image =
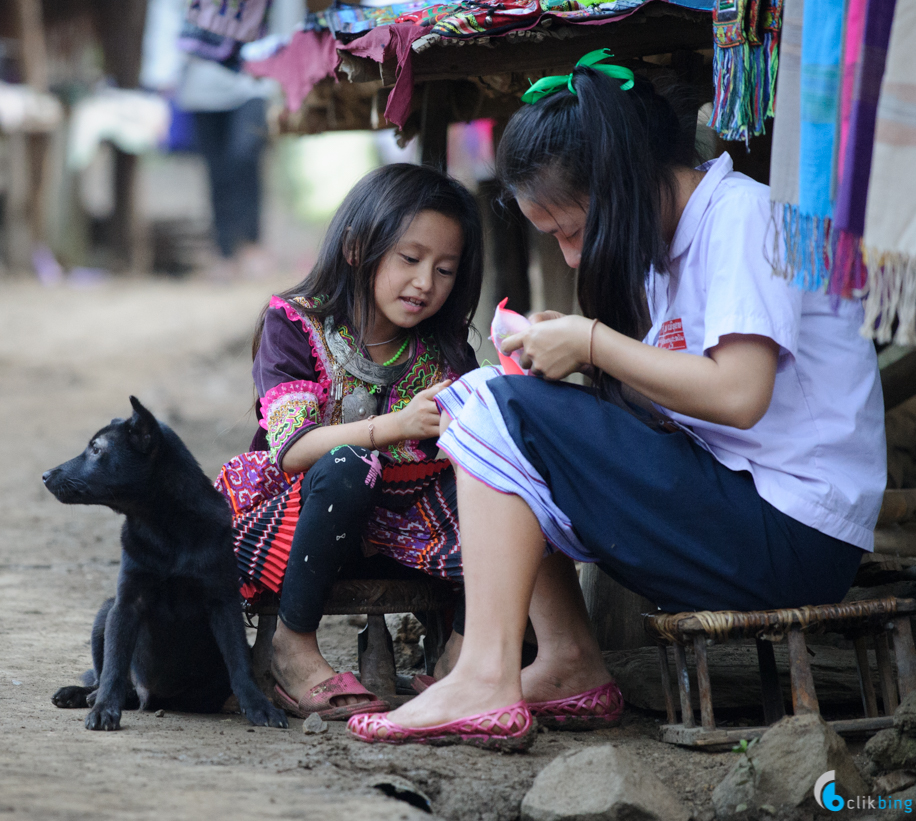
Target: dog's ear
{"type": "Point", "coordinates": [143, 429]}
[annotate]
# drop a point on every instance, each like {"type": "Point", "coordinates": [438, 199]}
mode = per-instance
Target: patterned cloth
{"type": "Point", "coordinates": [805, 135]}
{"type": "Point", "coordinates": [303, 384]}
{"type": "Point", "coordinates": [890, 218]}
{"type": "Point", "coordinates": [861, 87]}
{"type": "Point", "coordinates": [241, 20]}
{"type": "Point", "coordinates": [474, 18]}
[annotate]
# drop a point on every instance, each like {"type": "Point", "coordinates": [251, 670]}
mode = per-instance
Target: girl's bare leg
{"type": "Point", "coordinates": [569, 660]}
{"type": "Point", "coordinates": [297, 665]}
{"type": "Point", "coordinates": [502, 548]}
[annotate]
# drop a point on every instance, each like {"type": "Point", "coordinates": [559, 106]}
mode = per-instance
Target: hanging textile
{"type": "Point", "coordinates": [745, 61]}
{"type": "Point", "coordinates": [786, 130]}
{"type": "Point", "coordinates": [865, 60]}
{"type": "Point", "coordinates": [242, 20]}
{"type": "Point", "coordinates": [308, 58]}
{"type": "Point", "coordinates": [890, 217]}
{"type": "Point", "coordinates": [806, 201]}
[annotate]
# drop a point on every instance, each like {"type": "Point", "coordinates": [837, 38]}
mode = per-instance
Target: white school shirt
{"type": "Point", "coordinates": [819, 453]}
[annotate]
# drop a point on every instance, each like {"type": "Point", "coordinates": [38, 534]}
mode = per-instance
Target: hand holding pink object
{"type": "Point", "coordinates": [505, 324]}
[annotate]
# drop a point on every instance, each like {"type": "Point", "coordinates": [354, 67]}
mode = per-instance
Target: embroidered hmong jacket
{"type": "Point", "coordinates": [305, 369]}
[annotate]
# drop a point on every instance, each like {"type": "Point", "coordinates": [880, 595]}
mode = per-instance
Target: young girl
{"type": "Point", "coordinates": [347, 365]}
{"type": "Point", "coordinates": [761, 491]}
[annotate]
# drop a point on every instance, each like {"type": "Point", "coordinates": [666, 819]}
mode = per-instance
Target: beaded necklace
{"type": "Point", "coordinates": [397, 356]}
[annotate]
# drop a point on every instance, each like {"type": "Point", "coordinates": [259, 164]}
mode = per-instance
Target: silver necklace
{"type": "Point", "coordinates": [376, 344]}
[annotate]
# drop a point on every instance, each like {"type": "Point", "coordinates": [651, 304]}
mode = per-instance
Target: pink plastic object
{"type": "Point", "coordinates": [596, 708]}
{"type": "Point", "coordinates": [506, 323]}
{"type": "Point", "coordinates": [509, 729]}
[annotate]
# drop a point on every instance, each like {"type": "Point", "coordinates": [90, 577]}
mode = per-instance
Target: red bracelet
{"type": "Point", "coordinates": [372, 432]}
{"type": "Point", "coordinates": [591, 343]}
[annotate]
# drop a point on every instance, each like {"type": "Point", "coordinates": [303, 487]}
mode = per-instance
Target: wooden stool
{"type": "Point", "coordinates": [374, 598]}
{"type": "Point", "coordinates": [878, 618]}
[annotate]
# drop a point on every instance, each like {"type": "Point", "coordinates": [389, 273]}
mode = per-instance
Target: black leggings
{"type": "Point", "coordinates": [338, 495]}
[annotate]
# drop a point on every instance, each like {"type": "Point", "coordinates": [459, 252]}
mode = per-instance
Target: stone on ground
{"type": "Point", "coordinates": [603, 783]}
{"type": "Point", "coordinates": [782, 768]}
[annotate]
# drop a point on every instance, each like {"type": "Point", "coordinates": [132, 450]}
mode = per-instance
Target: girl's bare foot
{"type": "Point", "coordinates": [449, 657]}
{"type": "Point", "coordinates": [456, 696]}
{"type": "Point", "coordinates": [550, 679]}
{"type": "Point", "coordinates": [297, 665]}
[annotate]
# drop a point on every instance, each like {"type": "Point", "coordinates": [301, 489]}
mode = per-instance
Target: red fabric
{"type": "Point", "coordinates": [308, 58]}
{"type": "Point", "coordinates": [384, 43]}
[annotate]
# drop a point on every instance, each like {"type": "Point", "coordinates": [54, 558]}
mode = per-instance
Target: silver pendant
{"type": "Point", "coordinates": [358, 405]}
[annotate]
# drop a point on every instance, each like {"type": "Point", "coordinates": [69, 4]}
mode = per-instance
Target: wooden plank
{"type": "Point", "coordinates": [898, 381]}
{"type": "Point", "coordinates": [897, 506]}
{"type": "Point", "coordinates": [615, 612]}
{"type": "Point", "coordinates": [869, 700]}
{"type": "Point", "coordinates": [698, 737]}
{"type": "Point", "coordinates": [885, 674]}
{"type": "Point", "coordinates": [670, 708]}
{"type": "Point", "coordinates": [707, 717]}
{"type": "Point", "coordinates": [683, 686]}
{"type": "Point", "coordinates": [804, 698]}
{"type": "Point", "coordinates": [906, 655]}
{"type": "Point", "coordinates": [651, 30]}
{"type": "Point", "coordinates": [896, 540]}
{"type": "Point", "coordinates": [774, 707]}
{"type": "Point", "coordinates": [32, 39]}
{"type": "Point", "coordinates": [435, 116]}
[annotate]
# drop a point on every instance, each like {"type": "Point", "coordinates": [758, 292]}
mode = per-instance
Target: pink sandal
{"type": "Point", "coordinates": [320, 699]}
{"type": "Point", "coordinates": [594, 709]}
{"type": "Point", "coordinates": [508, 729]}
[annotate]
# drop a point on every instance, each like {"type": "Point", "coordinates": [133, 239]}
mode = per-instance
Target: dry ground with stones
{"type": "Point", "coordinates": [69, 358]}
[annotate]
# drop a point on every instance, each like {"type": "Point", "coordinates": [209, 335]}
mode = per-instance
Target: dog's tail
{"type": "Point", "coordinates": [90, 679]}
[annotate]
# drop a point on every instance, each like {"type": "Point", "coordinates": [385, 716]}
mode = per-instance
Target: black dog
{"type": "Point", "coordinates": [173, 636]}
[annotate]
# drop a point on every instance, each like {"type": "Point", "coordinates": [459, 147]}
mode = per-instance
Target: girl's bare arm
{"type": "Point", "coordinates": [419, 420]}
{"type": "Point", "coordinates": [732, 385]}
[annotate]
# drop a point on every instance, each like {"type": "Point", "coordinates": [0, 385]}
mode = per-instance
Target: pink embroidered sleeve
{"type": "Point", "coordinates": [293, 390]}
{"type": "Point", "coordinates": [288, 411]}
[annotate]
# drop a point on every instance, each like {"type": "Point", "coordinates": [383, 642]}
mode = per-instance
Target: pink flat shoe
{"type": "Point", "coordinates": [508, 729]}
{"type": "Point", "coordinates": [594, 709]}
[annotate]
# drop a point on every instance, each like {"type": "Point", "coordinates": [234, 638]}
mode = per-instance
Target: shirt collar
{"type": "Point", "coordinates": [716, 171]}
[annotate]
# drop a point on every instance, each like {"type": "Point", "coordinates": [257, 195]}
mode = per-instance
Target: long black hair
{"type": "Point", "coordinates": [620, 149]}
{"type": "Point", "coordinates": [368, 224]}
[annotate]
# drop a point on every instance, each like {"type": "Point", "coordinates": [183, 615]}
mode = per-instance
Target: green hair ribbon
{"type": "Point", "coordinates": [594, 59]}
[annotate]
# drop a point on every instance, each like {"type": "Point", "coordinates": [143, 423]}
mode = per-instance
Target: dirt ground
{"type": "Point", "coordinates": [69, 359]}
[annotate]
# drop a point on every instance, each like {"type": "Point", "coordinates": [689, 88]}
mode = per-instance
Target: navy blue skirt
{"type": "Point", "coordinates": [664, 517]}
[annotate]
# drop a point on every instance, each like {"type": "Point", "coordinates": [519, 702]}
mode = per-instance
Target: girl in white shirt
{"type": "Point", "coordinates": [764, 494]}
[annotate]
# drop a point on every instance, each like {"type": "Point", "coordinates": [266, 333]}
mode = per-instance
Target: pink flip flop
{"type": "Point", "coordinates": [319, 699]}
{"type": "Point", "coordinates": [594, 709]}
{"type": "Point", "coordinates": [509, 729]}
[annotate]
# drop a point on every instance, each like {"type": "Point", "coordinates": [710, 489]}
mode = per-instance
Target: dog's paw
{"type": "Point", "coordinates": [70, 697]}
{"type": "Point", "coordinates": [91, 697]}
{"type": "Point", "coordinates": [101, 717]}
{"type": "Point", "coordinates": [265, 715]}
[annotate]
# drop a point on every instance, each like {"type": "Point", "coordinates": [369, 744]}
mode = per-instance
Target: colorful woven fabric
{"type": "Point", "coordinates": [249, 479]}
{"type": "Point", "coordinates": [745, 60]}
{"type": "Point", "coordinates": [477, 18]}
{"type": "Point", "coordinates": [848, 276]}
{"type": "Point", "coordinates": [242, 20]}
{"type": "Point", "coordinates": [416, 524]}
{"type": "Point", "coordinates": [890, 218]}
{"type": "Point", "coordinates": [803, 145]}
{"type": "Point", "coordinates": [302, 385]}
{"type": "Point", "coordinates": [344, 20]}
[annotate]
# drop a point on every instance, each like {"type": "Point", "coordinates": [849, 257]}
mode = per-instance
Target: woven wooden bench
{"type": "Point", "coordinates": [886, 621]}
{"type": "Point", "coordinates": [429, 598]}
